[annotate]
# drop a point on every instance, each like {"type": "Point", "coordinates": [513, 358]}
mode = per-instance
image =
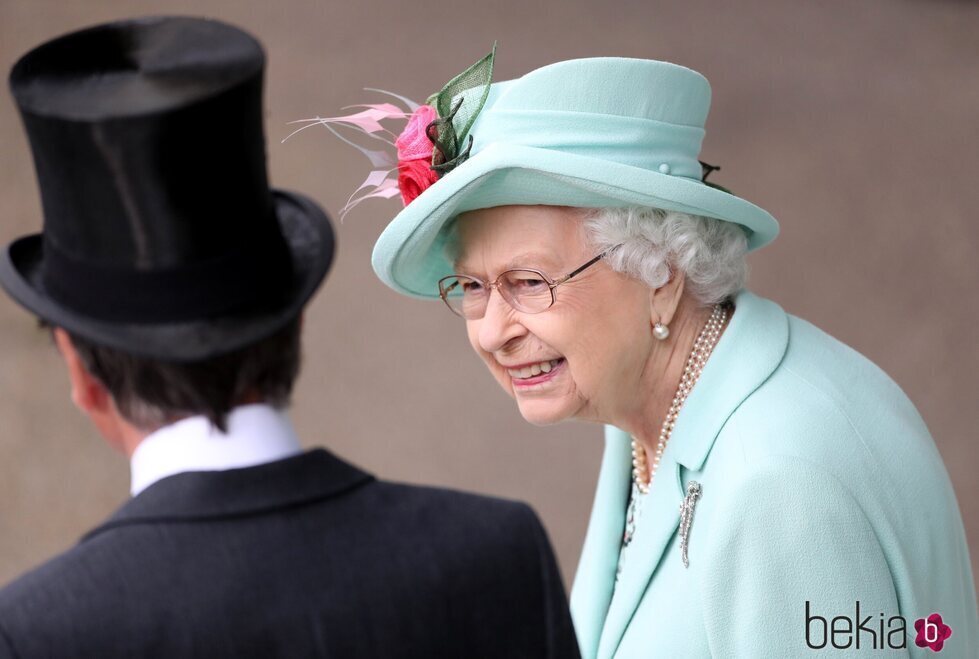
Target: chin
{"type": "Point", "coordinates": [542, 413]}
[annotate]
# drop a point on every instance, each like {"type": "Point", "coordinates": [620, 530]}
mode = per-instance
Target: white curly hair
{"type": "Point", "coordinates": [710, 252]}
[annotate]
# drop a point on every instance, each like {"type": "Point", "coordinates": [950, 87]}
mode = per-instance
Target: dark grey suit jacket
{"type": "Point", "coordinates": [305, 557]}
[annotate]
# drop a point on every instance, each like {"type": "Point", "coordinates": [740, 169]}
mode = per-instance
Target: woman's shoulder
{"type": "Point", "coordinates": [827, 406]}
{"type": "Point", "coordinates": [833, 367]}
{"type": "Point", "coordinates": [828, 431]}
{"type": "Point", "coordinates": [825, 397]}
{"type": "Point", "coordinates": [812, 387]}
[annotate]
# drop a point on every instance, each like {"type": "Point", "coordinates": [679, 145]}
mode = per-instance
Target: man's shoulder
{"type": "Point", "coordinates": [66, 582]}
{"type": "Point", "coordinates": [425, 509]}
{"type": "Point", "coordinates": [453, 500]}
{"type": "Point", "coordinates": [378, 513]}
{"type": "Point", "coordinates": [428, 546]}
{"type": "Point", "coordinates": [52, 570]}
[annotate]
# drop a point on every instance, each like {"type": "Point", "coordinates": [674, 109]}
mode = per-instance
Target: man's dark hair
{"type": "Point", "coordinates": [151, 393]}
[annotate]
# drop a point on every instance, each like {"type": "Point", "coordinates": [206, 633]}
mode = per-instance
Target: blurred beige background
{"type": "Point", "coordinates": [854, 123]}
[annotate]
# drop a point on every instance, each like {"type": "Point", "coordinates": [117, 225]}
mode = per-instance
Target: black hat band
{"type": "Point", "coordinates": [246, 279]}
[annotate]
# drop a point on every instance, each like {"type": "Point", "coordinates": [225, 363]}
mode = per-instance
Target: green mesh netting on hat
{"type": "Point", "coordinates": [458, 103]}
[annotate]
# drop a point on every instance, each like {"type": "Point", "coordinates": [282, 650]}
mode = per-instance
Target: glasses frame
{"type": "Point", "coordinates": [489, 286]}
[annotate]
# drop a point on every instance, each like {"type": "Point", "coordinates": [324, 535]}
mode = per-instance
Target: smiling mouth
{"type": "Point", "coordinates": [534, 373]}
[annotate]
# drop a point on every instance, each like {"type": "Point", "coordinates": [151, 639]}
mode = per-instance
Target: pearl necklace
{"type": "Point", "coordinates": [702, 349]}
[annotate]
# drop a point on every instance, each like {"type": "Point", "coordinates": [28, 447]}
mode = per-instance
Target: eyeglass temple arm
{"type": "Point", "coordinates": [586, 266]}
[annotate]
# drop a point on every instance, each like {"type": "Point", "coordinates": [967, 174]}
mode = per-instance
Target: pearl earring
{"type": "Point", "coordinates": [661, 331]}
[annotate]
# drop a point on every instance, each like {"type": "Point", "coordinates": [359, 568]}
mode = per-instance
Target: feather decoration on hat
{"type": "Point", "coordinates": [367, 121]}
{"type": "Point", "coordinates": [428, 146]}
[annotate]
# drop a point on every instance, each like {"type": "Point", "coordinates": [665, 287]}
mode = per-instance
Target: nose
{"type": "Point", "coordinates": [499, 324]}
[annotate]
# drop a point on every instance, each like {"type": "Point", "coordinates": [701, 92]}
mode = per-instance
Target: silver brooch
{"type": "Point", "coordinates": [686, 517]}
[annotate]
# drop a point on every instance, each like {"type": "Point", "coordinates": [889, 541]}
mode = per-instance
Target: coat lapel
{"type": "Point", "coordinates": [311, 476]}
{"type": "Point", "coordinates": [658, 522]}
{"type": "Point", "coordinates": [750, 349]}
{"type": "Point", "coordinates": [595, 578]}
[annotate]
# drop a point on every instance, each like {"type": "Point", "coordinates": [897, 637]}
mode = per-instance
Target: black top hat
{"type": "Point", "coordinates": [161, 235]}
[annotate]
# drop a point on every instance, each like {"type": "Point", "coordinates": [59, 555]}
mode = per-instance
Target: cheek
{"type": "Point", "coordinates": [498, 373]}
{"type": "Point", "coordinates": [608, 348]}
{"type": "Point", "coordinates": [593, 365]}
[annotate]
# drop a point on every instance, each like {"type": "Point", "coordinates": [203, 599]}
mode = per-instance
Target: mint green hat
{"type": "Point", "coordinates": [590, 133]}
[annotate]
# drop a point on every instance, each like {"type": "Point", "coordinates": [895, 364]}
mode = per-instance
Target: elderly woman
{"type": "Point", "coordinates": [765, 490]}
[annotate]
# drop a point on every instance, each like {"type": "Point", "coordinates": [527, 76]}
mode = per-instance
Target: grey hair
{"type": "Point", "coordinates": [710, 252]}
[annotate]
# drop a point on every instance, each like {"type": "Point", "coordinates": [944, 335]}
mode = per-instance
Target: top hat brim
{"type": "Point", "coordinates": [410, 254]}
{"type": "Point", "coordinates": [308, 235]}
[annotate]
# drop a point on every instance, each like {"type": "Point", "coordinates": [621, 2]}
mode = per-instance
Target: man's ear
{"type": "Point", "coordinates": [87, 393]}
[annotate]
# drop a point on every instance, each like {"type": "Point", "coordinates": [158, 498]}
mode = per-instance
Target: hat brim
{"type": "Point", "coordinates": [410, 257]}
{"type": "Point", "coordinates": [308, 234]}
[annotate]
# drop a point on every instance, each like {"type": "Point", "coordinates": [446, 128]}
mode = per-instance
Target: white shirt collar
{"type": "Point", "coordinates": [256, 434]}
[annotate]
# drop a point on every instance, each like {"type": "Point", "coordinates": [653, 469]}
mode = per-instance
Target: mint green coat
{"type": "Point", "coordinates": [820, 483]}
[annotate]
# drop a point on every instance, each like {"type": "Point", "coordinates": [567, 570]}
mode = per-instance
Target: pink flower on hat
{"type": "Point", "coordinates": [415, 173]}
{"type": "Point", "coordinates": [414, 177]}
{"type": "Point", "coordinates": [413, 143]}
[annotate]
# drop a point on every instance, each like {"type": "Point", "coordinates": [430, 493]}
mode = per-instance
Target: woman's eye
{"type": "Point", "coordinates": [530, 284]}
{"type": "Point", "coordinates": [472, 287]}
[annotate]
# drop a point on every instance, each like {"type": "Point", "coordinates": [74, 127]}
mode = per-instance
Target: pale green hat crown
{"type": "Point", "coordinates": [591, 133]}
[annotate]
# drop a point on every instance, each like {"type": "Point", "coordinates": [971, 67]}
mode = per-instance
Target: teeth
{"type": "Point", "coordinates": [533, 369]}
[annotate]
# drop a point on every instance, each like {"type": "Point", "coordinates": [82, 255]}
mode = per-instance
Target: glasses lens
{"type": "Point", "coordinates": [526, 290]}
{"type": "Point", "coordinates": [465, 296]}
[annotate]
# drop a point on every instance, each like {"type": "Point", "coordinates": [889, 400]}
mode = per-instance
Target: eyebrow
{"type": "Point", "coordinates": [521, 260]}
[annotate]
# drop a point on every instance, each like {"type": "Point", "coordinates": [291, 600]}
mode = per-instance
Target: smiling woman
{"type": "Point", "coordinates": [756, 469]}
{"type": "Point", "coordinates": [635, 244]}
{"type": "Point", "coordinates": [586, 362]}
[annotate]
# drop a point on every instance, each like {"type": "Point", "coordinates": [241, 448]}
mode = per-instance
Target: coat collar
{"type": "Point", "coordinates": [254, 434]}
{"type": "Point", "coordinates": [311, 476]}
{"type": "Point", "coordinates": [751, 348]}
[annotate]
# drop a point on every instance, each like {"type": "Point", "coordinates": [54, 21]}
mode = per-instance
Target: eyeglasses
{"type": "Point", "coordinates": [524, 289]}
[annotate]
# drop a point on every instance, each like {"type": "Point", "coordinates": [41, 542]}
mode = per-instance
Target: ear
{"type": "Point", "coordinates": [87, 393]}
{"type": "Point", "coordinates": [663, 301]}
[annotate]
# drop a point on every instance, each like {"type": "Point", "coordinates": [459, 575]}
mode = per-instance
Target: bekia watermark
{"type": "Point", "coordinates": [873, 632]}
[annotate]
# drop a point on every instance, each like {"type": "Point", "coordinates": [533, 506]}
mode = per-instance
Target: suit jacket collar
{"type": "Point", "coordinates": [311, 476]}
{"type": "Point", "coordinates": [751, 348]}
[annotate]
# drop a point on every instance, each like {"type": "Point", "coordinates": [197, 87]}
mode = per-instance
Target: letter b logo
{"type": "Point", "coordinates": [932, 632]}
{"type": "Point", "coordinates": [820, 624]}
